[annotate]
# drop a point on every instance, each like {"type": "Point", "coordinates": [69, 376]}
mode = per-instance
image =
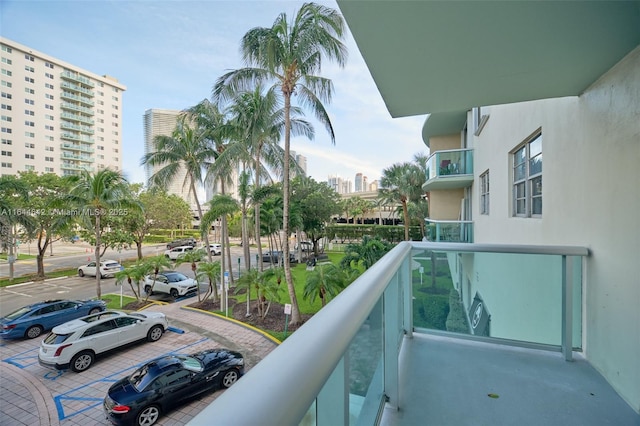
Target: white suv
{"type": "Point", "coordinates": [76, 343]}
{"type": "Point", "coordinates": [177, 251]}
{"type": "Point", "coordinates": [170, 282]}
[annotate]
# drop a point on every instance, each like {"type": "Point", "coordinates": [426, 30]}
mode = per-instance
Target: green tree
{"type": "Point", "coordinates": [97, 196]}
{"type": "Point", "coordinates": [47, 212]}
{"type": "Point", "coordinates": [188, 150]}
{"type": "Point", "coordinates": [14, 196]}
{"type": "Point", "coordinates": [210, 272]}
{"type": "Point", "coordinates": [133, 274]}
{"type": "Point", "coordinates": [402, 183]}
{"type": "Point", "coordinates": [365, 253]}
{"type": "Point", "coordinates": [290, 54]}
{"type": "Point", "coordinates": [317, 202]}
{"type": "Point", "coordinates": [220, 206]}
{"type": "Point", "coordinates": [193, 257]}
{"type": "Point", "coordinates": [153, 266]}
{"type": "Point", "coordinates": [325, 281]}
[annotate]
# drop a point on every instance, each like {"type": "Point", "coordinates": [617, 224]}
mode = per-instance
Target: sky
{"type": "Point", "coordinates": [170, 53]}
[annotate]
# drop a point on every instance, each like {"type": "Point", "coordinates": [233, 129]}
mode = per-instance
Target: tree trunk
{"type": "Point", "coordinates": [295, 310]}
{"type": "Point", "coordinates": [139, 248]}
{"type": "Point", "coordinates": [97, 255]}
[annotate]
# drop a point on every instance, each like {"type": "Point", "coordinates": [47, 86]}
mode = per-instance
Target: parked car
{"type": "Point", "coordinates": [32, 320]}
{"type": "Point", "coordinates": [215, 249]}
{"type": "Point", "coordinates": [108, 268]}
{"type": "Point", "coordinates": [75, 344]}
{"type": "Point", "coordinates": [306, 246]}
{"type": "Point", "coordinates": [182, 242]}
{"type": "Point", "coordinates": [170, 282]}
{"type": "Point", "coordinates": [175, 252]}
{"type": "Point", "coordinates": [170, 381]}
{"type": "Point", "coordinates": [273, 256]}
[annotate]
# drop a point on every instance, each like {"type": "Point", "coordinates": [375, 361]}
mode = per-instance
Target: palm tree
{"type": "Point", "coordinates": [220, 206]}
{"type": "Point", "coordinates": [210, 271]}
{"type": "Point", "coordinates": [154, 265]}
{"type": "Point", "coordinates": [13, 193]}
{"type": "Point", "coordinates": [365, 253]}
{"type": "Point", "coordinates": [325, 281]}
{"type": "Point", "coordinates": [130, 274]}
{"type": "Point", "coordinates": [193, 257]}
{"type": "Point", "coordinates": [96, 196]}
{"type": "Point", "coordinates": [402, 183]}
{"type": "Point", "coordinates": [186, 149]}
{"type": "Point", "coordinates": [290, 54]}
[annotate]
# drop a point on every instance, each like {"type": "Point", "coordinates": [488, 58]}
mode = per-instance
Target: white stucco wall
{"type": "Point", "coordinates": [591, 197]}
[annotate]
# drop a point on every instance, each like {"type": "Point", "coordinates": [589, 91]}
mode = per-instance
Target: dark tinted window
{"type": "Point", "coordinates": [55, 339]}
{"type": "Point", "coordinates": [100, 328]}
{"type": "Point", "coordinates": [125, 321]}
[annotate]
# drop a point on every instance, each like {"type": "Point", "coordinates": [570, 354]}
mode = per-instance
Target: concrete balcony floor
{"type": "Point", "coordinates": [447, 381]}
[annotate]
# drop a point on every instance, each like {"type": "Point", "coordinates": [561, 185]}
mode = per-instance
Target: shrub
{"type": "Point", "coordinates": [457, 319]}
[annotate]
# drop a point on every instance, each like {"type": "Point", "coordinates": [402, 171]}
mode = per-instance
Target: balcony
{"type": "Point", "coordinates": [75, 107]}
{"type": "Point", "coordinates": [76, 88]}
{"type": "Point", "coordinates": [82, 99]}
{"type": "Point", "coordinates": [437, 333]}
{"type": "Point", "coordinates": [450, 169]}
{"type": "Point", "coordinates": [68, 75]}
{"type": "Point", "coordinates": [77, 117]}
{"type": "Point", "coordinates": [76, 137]}
{"type": "Point", "coordinates": [451, 231]}
{"type": "Point", "coordinates": [76, 147]}
{"type": "Point", "coordinates": [70, 126]}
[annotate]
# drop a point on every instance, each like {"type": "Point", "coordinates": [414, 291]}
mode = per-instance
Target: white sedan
{"type": "Point", "coordinates": [108, 268]}
{"type": "Point", "coordinates": [75, 344]}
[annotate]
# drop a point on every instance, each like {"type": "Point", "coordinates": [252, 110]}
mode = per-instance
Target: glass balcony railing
{"type": "Point", "coordinates": [449, 169]}
{"type": "Point", "coordinates": [75, 107]}
{"type": "Point", "coordinates": [452, 231]}
{"type": "Point", "coordinates": [76, 147]}
{"type": "Point", "coordinates": [342, 366]}
{"type": "Point", "coordinates": [77, 117]}
{"type": "Point", "coordinates": [82, 99]}
{"type": "Point", "coordinates": [68, 75]}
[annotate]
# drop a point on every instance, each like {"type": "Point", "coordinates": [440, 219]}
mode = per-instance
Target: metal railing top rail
{"type": "Point", "coordinates": [502, 248]}
{"type": "Point", "coordinates": [446, 221]}
{"type": "Point", "coordinates": [440, 151]}
{"type": "Point", "coordinates": [309, 356]}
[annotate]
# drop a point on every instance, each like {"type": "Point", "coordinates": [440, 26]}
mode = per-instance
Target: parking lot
{"type": "Point", "coordinates": [76, 398]}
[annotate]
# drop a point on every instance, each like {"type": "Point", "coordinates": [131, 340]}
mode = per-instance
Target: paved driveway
{"type": "Point", "coordinates": [76, 398]}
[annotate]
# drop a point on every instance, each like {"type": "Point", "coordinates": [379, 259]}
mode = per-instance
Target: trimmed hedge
{"type": "Point", "coordinates": [457, 319]}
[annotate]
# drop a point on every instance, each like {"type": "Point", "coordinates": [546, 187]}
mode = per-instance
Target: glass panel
{"type": "Point", "coordinates": [535, 147]}
{"type": "Point", "coordinates": [519, 172]}
{"type": "Point", "coordinates": [309, 419]}
{"type": "Point", "coordinates": [535, 165]}
{"type": "Point", "coordinates": [521, 207]}
{"type": "Point", "coordinates": [365, 365]}
{"type": "Point", "coordinates": [509, 296]}
{"type": "Point", "coordinates": [519, 156]}
{"type": "Point", "coordinates": [536, 186]}
{"type": "Point", "coordinates": [536, 205]}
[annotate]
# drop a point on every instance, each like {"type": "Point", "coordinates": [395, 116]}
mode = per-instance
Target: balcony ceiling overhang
{"type": "Point", "coordinates": [445, 57]}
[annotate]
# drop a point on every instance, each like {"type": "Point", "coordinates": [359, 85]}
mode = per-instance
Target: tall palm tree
{"type": "Point", "coordinates": [402, 183]}
{"type": "Point", "coordinates": [220, 206]}
{"type": "Point", "coordinates": [186, 149]}
{"type": "Point", "coordinates": [96, 196]}
{"type": "Point", "coordinates": [255, 125]}
{"type": "Point", "coordinates": [290, 54]}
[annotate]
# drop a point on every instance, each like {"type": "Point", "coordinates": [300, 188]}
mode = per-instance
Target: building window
{"type": "Point", "coordinates": [29, 145]}
{"type": "Point", "coordinates": [48, 75]}
{"type": "Point", "coordinates": [28, 80]}
{"type": "Point", "coordinates": [7, 107]}
{"type": "Point", "coordinates": [29, 58]}
{"type": "Point", "coordinates": [29, 123]}
{"type": "Point", "coordinates": [7, 61]}
{"type": "Point", "coordinates": [29, 69]}
{"type": "Point", "coordinates": [6, 118]}
{"type": "Point", "coordinates": [7, 165]}
{"type": "Point", "coordinates": [29, 101]}
{"type": "Point", "coordinates": [49, 159]}
{"type": "Point", "coordinates": [484, 193]}
{"type": "Point", "coordinates": [7, 72]}
{"type": "Point", "coordinates": [47, 106]}
{"type": "Point", "coordinates": [7, 141]}
{"type": "Point", "coordinates": [48, 169]}
{"type": "Point", "coordinates": [29, 90]}
{"type": "Point", "coordinates": [6, 49]}
{"type": "Point", "coordinates": [29, 167]}
{"type": "Point", "coordinates": [48, 148]}
{"type": "Point", "coordinates": [48, 86]}
{"type": "Point", "coordinates": [29, 156]}
{"type": "Point", "coordinates": [527, 177]}
{"type": "Point", "coordinates": [29, 112]}
{"type": "Point", "coordinates": [6, 95]}
{"type": "Point", "coordinates": [6, 84]}
{"type": "Point", "coordinates": [6, 153]}
{"type": "Point", "coordinates": [29, 134]}
{"type": "Point", "coordinates": [47, 127]}
{"type": "Point", "coordinates": [6, 130]}
{"type": "Point", "coordinates": [48, 65]}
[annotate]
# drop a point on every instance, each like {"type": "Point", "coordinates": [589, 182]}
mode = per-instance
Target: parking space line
{"type": "Point", "coordinates": [112, 378]}
{"type": "Point", "coordinates": [18, 293]}
{"type": "Point", "coordinates": [13, 360]}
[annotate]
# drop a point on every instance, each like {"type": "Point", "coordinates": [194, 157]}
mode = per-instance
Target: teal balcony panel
{"type": "Point", "coordinates": [68, 75]}
{"type": "Point", "coordinates": [450, 169]}
{"type": "Point", "coordinates": [451, 231]}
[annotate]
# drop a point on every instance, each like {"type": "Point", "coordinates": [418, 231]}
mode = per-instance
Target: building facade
{"type": "Point", "coordinates": [56, 117]}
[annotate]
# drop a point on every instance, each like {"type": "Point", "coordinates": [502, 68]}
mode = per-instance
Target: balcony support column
{"type": "Point", "coordinates": [567, 309]}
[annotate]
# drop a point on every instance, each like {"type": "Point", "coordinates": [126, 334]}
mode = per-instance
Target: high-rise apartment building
{"type": "Point", "coordinates": [56, 117]}
{"type": "Point", "coordinates": [359, 187]}
{"type": "Point", "coordinates": [162, 122]}
{"type": "Point", "coordinates": [301, 160]}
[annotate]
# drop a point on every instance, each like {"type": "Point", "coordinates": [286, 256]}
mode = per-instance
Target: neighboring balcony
{"type": "Point", "coordinates": [451, 231]}
{"type": "Point", "coordinates": [449, 169]}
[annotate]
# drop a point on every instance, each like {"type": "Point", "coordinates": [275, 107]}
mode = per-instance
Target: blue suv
{"type": "Point", "coordinates": [32, 320]}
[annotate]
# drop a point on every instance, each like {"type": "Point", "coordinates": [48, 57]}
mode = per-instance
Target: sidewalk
{"type": "Point", "coordinates": [26, 401]}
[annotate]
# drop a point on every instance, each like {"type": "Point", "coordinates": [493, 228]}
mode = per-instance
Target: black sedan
{"type": "Point", "coordinates": [167, 382]}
